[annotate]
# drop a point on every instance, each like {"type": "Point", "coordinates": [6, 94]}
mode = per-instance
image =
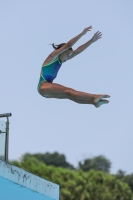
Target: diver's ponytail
{"type": "Point", "coordinates": [58, 46]}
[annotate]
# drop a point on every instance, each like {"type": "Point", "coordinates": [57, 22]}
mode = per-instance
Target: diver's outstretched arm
{"type": "Point", "coordinates": [69, 44]}
{"type": "Point", "coordinates": [81, 48]}
{"type": "Point", "coordinates": [75, 39]}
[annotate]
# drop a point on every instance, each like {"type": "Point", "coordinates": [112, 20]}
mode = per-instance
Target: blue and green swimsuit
{"type": "Point", "coordinates": [49, 72]}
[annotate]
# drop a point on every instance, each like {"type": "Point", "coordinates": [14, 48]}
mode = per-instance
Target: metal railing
{"type": "Point", "coordinates": [6, 132]}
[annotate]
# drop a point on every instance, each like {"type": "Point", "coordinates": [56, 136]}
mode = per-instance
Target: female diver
{"type": "Point", "coordinates": [51, 66]}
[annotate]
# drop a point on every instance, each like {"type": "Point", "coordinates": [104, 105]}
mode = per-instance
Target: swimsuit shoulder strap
{"type": "Point", "coordinates": [57, 59]}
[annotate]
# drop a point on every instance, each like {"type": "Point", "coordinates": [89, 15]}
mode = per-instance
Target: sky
{"type": "Point", "coordinates": [106, 67]}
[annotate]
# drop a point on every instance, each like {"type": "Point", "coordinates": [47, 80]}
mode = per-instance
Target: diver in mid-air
{"type": "Point", "coordinates": [52, 64]}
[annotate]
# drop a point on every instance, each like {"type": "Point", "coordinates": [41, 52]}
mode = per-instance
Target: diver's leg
{"type": "Point", "coordinates": [97, 105]}
{"type": "Point", "coordinates": [53, 90]}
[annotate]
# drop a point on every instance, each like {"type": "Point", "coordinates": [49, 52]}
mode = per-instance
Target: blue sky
{"type": "Point", "coordinates": [47, 125]}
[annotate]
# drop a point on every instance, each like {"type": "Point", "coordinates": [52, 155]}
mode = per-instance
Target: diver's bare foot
{"type": "Point", "coordinates": [101, 102]}
{"type": "Point", "coordinates": [98, 97]}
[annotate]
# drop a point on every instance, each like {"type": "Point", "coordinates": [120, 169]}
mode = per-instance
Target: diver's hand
{"type": "Point", "coordinates": [96, 36]}
{"type": "Point", "coordinates": [86, 30]}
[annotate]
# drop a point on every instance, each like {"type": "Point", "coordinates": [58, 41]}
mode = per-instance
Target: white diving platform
{"type": "Point", "coordinates": [16, 183]}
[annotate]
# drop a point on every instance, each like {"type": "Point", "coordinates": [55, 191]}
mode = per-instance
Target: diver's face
{"type": "Point", "coordinates": [66, 55]}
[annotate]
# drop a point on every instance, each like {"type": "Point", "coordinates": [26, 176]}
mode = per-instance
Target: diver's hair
{"type": "Point", "coordinates": [59, 46]}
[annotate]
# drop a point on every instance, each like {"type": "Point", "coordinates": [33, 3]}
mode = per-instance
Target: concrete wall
{"type": "Point", "coordinates": [28, 180]}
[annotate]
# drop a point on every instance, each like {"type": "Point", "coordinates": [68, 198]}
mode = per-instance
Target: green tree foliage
{"type": "Point", "coordinates": [97, 163]}
{"type": "Point", "coordinates": [129, 180]}
{"type": "Point", "coordinates": [79, 185]}
{"type": "Point", "coordinates": [125, 178]}
{"type": "Point", "coordinates": [55, 159]}
{"type": "Point", "coordinates": [120, 174]}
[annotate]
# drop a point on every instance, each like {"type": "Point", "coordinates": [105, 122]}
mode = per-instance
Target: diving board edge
{"type": "Point", "coordinates": [28, 180]}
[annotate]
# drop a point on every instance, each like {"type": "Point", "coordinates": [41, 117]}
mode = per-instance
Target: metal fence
{"type": "Point", "coordinates": [4, 136]}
